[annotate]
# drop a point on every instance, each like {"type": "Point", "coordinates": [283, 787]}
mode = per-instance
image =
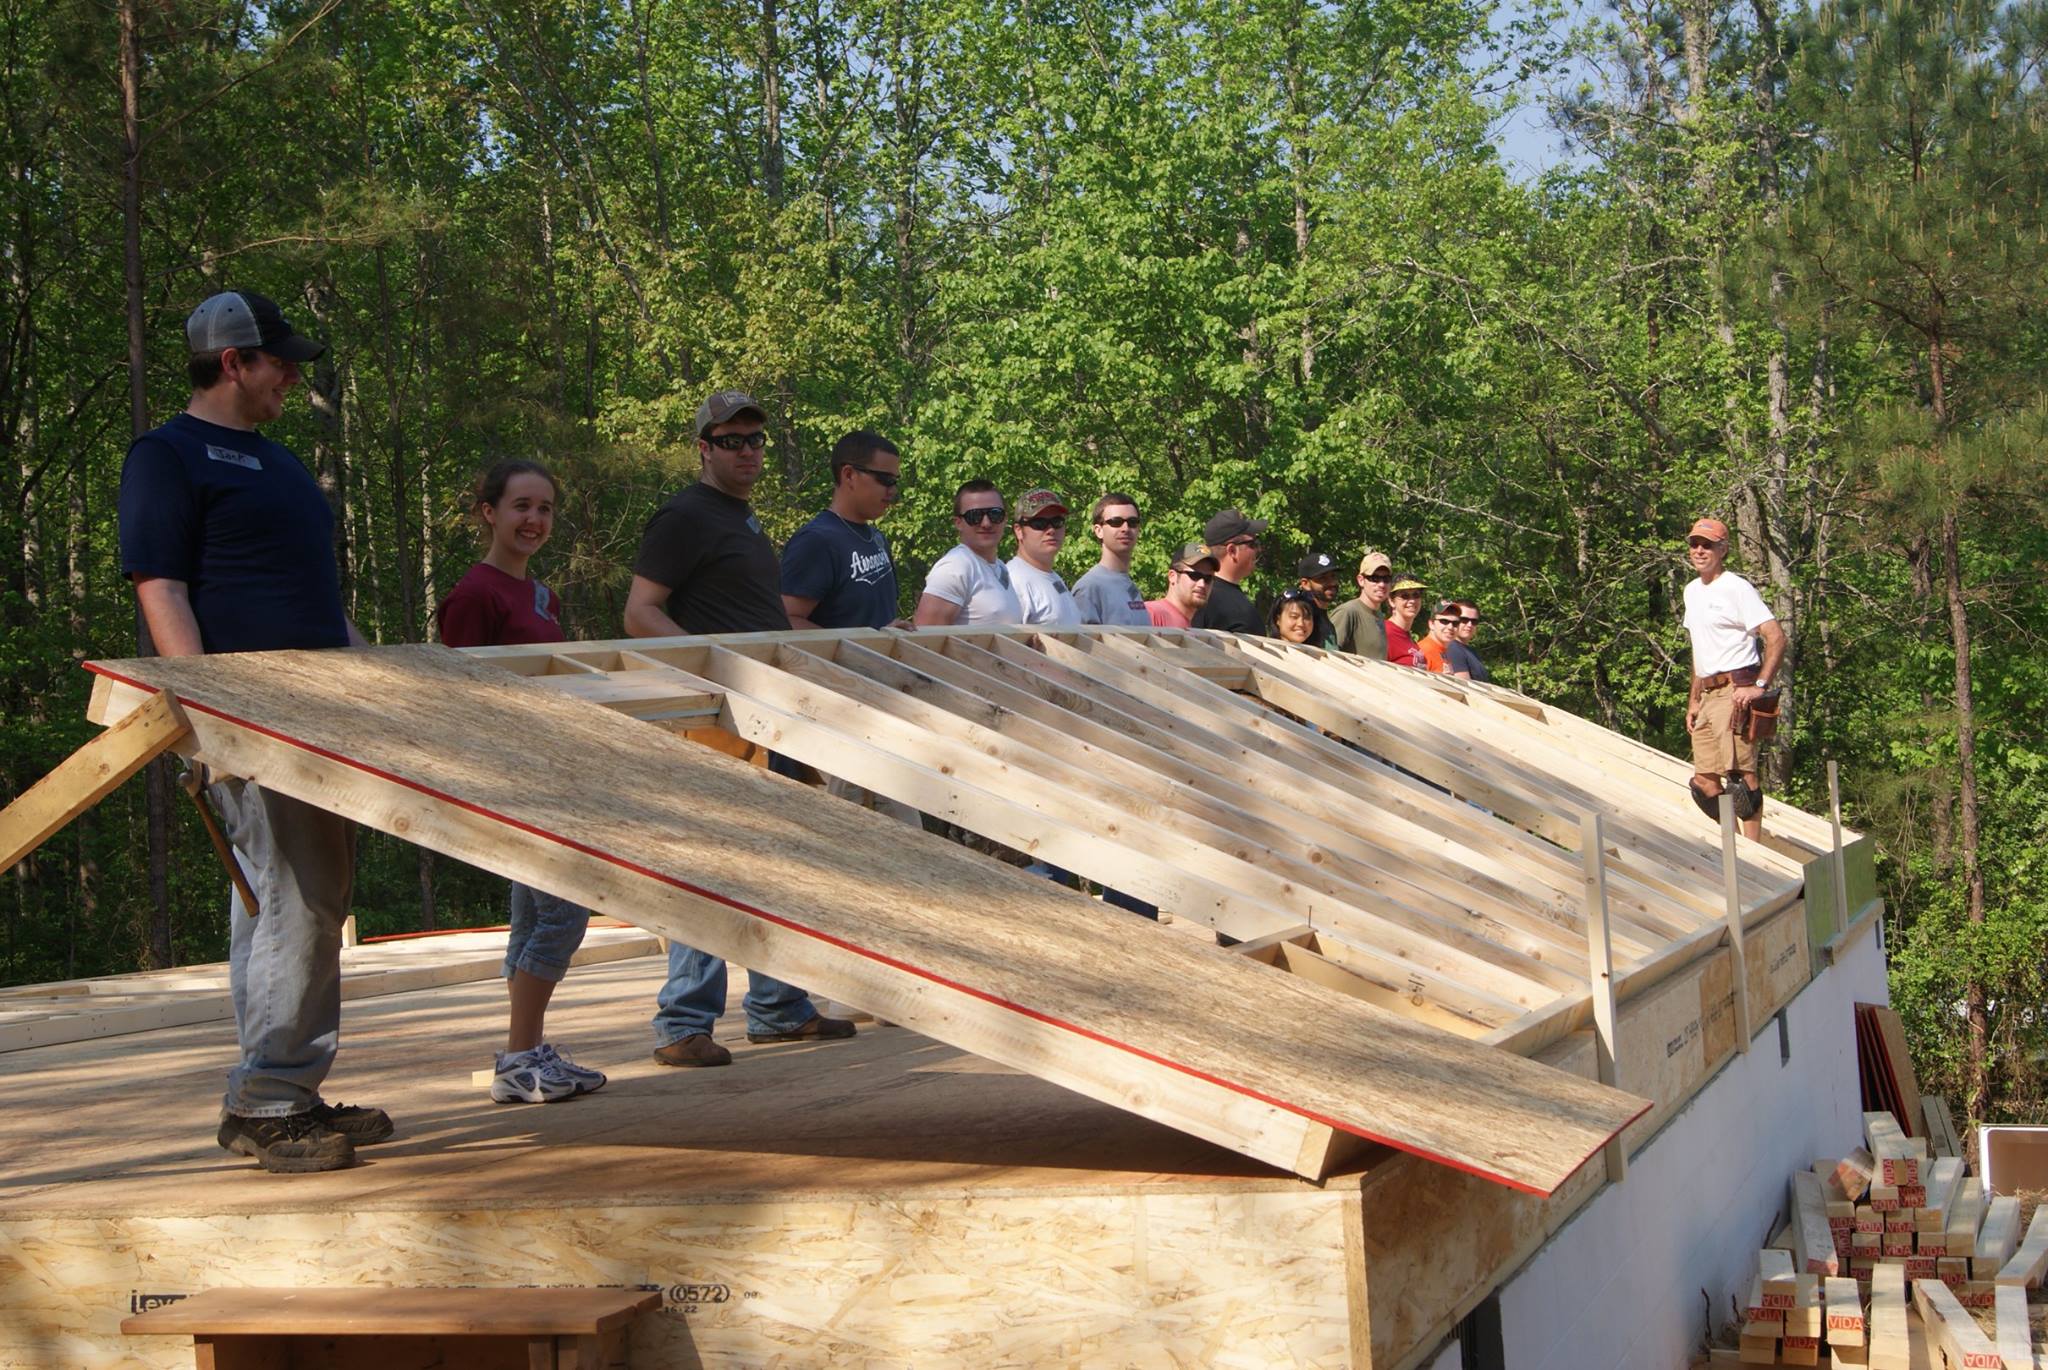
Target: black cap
{"type": "Point", "coordinates": [243, 319]}
{"type": "Point", "coordinates": [1231, 524]}
{"type": "Point", "coordinates": [1316, 565]}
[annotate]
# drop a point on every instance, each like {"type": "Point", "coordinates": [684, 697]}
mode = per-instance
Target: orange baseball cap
{"type": "Point", "coordinates": [1712, 529]}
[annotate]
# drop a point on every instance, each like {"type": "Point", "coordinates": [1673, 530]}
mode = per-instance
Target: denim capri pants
{"type": "Point", "coordinates": [545, 933]}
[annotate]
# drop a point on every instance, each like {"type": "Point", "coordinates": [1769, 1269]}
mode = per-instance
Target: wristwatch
{"type": "Point", "coordinates": [1763, 682]}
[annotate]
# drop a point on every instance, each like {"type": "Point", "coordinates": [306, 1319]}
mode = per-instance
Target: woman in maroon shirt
{"type": "Point", "coordinates": [497, 603]}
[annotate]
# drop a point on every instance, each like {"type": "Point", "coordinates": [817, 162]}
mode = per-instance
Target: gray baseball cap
{"type": "Point", "coordinates": [243, 319]}
{"type": "Point", "coordinates": [724, 406]}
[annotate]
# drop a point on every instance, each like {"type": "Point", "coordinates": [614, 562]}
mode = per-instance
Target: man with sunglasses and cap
{"type": "Point", "coordinates": [1724, 616]}
{"type": "Point", "coordinates": [1233, 540]}
{"type": "Point", "coordinates": [969, 584]}
{"type": "Point", "coordinates": [1106, 592]}
{"type": "Point", "coordinates": [705, 566]}
{"type": "Point", "coordinates": [1317, 574]}
{"type": "Point", "coordinates": [1360, 623]}
{"type": "Point", "coordinates": [230, 544]}
{"type": "Point", "coordinates": [1041, 532]}
{"type": "Point", "coordinates": [1188, 581]}
{"type": "Point", "coordinates": [836, 570]}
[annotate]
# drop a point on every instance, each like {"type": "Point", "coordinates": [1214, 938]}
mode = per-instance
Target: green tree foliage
{"type": "Point", "coordinates": [1207, 251]}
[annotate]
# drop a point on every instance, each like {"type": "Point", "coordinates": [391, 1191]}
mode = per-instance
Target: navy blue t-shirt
{"type": "Point", "coordinates": [844, 566]}
{"type": "Point", "coordinates": [238, 519]}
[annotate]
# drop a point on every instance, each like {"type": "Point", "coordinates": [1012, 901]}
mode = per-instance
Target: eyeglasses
{"type": "Point", "coordinates": [1383, 577]}
{"type": "Point", "coordinates": [1448, 622]}
{"type": "Point", "coordinates": [1120, 522]}
{"type": "Point", "coordinates": [974, 518]}
{"type": "Point", "coordinates": [1701, 542]}
{"type": "Point", "coordinates": [1050, 524]}
{"type": "Point", "coordinates": [733, 442]}
{"type": "Point", "coordinates": [1199, 577]}
{"type": "Point", "coordinates": [1473, 619]}
{"type": "Point", "coordinates": [1407, 594]}
{"type": "Point", "coordinates": [886, 479]}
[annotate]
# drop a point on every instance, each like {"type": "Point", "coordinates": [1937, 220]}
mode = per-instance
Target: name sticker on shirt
{"type": "Point", "coordinates": [232, 457]}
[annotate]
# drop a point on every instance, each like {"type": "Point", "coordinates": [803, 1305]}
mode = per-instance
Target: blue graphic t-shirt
{"type": "Point", "coordinates": [844, 566]}
{"type": "Point", "coordinates": [243, 524]}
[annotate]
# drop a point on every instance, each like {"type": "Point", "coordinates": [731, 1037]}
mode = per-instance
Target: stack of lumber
{"type": "Point", "coordinates": [1884, 1247]}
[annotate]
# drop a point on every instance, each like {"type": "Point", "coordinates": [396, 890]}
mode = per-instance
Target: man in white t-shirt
{"type": "Point", "coordinates": [1724, 615]}
{"type": "Point", "coordinates": [968, 585]}
{"type": "Point", "coordinates": [1041, 532]}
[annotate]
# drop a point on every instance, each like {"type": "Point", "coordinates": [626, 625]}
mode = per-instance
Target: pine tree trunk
{"type": "Point", "coordinates": [1966, 767]}
{"type": "Point", "coordinates": [158, 782]}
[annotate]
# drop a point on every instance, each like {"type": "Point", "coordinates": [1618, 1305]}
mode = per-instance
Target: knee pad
{"type": "Point", "coordinates": [1749, 799]}
{"type": "Point", "coordinates": [1709, 804]}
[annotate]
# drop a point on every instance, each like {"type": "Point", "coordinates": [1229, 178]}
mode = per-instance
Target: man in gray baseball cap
{"type": "Point", "coordinates": [229, 542]}
{"type": "Point", "coordinates": [249, 322]}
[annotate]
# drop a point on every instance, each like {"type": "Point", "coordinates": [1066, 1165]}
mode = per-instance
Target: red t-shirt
{"type": "Point", "coordinates": [1164, 615]}
{"type": "Point", "coordinates": [1401, 647]}
{"type": "Point", "coordinates": [488, 608]}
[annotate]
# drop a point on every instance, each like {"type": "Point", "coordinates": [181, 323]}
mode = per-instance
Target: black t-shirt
{"type": "Point", "coordinates": [238, 519]}
{"type": "Point", "coordinates": [720, 568]}
{"type": "Point", "coordinates": [1230, 609]}
{"type": "Point", "coordinates": [846, 568]}
{"type": "Point", "coordinates": [1463, 658]}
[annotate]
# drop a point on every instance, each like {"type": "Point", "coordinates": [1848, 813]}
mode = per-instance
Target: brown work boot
{"type": "Point", "coordinates": [296, 1144]}
{"type": "Point", "coordinates": [819, 1029]}
{"type": "Point", "coordinates": [695, 1050]}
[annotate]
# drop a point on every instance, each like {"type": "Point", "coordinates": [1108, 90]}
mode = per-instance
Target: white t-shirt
{"type": "Point", "coordinates": [980, 588]}
{"type": "Point", "coordinates": [1722, 619]}
{"type": "Point", "coordinates": [1043, 595]}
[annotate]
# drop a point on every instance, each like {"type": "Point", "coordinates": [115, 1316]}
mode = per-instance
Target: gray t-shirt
{"type": "Point", "coordinates": [1360, 630]}
{"type": "Point", "coordinates": [1107, 596]}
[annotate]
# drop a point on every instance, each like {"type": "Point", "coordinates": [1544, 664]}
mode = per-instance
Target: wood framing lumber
{"type": "Point", "coordinates": [818, 892]}
{"type": "Point", "coordinates": [1813, 1240]}
{"type": "Point", "coordinates": [1952, 1330]}
{"type": "Point", "coordinates": [1844, 1311]}
{"type": "Point", "coordinates": [2015, 1328]}
{"type": "Point", "coordinates": [1855, 1172]}
{"type": "Point", "coordinates": [1779, 1276]}
{"type": "Point", "coordinates": [1600, 950]}
{"type": "Point", "coordinates": [2026, 1264]}
{"type": "Point", "coordinates": [347, 1312]}
{"type": "Point", "coordinates": [87, 776]}
{"type": "Point", "coordinates": [1731, 888]}
{"type": "Point", "coordinates": [1997, 1238]}
{"type": "Point", "coordinates": [1898, 1156]}
{"type": "Point", "coordinates": [1889, 1349]}
{"type": "Point", "coordinates": [1941, 1126]}
{"type": "Point", "coordinates": [1891, 1033]}
{"type": "Point", "coordinates": [1938, 1196]}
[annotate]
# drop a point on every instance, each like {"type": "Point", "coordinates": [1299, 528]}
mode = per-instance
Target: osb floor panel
{"type": "Point", "coordinates": [125, 1125]}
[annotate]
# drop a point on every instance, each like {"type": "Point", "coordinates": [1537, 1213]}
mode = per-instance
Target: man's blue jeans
{"type": "Point", "coordinates": [694, 997]}
{"type": "Point", "coordinates": [284, 965]}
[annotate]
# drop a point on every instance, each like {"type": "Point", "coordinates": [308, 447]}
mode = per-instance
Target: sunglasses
{"type": "Point", "coordinates": [1131, 522]}
{"type": "Point", "coordinates": [974, 518]}
{"type": "Point", "coordinates": [1049, 524]}
{"type": "Point", "coordinates": [1449, 622]}
{"type": "Point", "coordinates": [1383, 577]}
{"type": "Point", "coordinates": [1199, 577]}
{"type": "Point", "coordinates": [1242, 542]}
{"type": "Point", "coordinates": [886, 479]}
{"type": "Point", "coordinates": [1473, 619]}
{"type": "Point", "coordinates": [1701, 542]}
{"type": "Point", "coordinates": [733, 442]}
{"type": "Point", "coordinates": [1407, 594]}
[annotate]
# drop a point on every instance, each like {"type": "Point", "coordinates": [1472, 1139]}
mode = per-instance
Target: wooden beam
{"type": "Point", "coordinates": [1731, 888]}
{"type": "Point", "coordinates": [2015, 1328]}
{"type": "Point", "coordinates": [1813, 1241]}
{"type": "Point", "coordinates": [89, 775]}
{"type": "Point", "coordinates": [1952, 1330]}
{"type": "Point", "coordinates": [1997, 1238]}
{"type": "Point", "coordinates": [1600, 954]}
{"type": "Point", "coordinates": [822, 893]}
{"type": "Point", "coordinates": [1889, 1347]}
{"type": "Point", "coordinates": [2026, 1264]}
{"type": "Point", "coordinates": [1841, 869]}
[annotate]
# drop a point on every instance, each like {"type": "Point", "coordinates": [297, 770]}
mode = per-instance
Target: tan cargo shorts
{"type": "Point", "coordinates": [1716, 747]}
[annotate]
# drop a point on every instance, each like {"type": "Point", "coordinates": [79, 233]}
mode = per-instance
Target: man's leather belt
{"type": "Point", "coordinates": [1741, 675]}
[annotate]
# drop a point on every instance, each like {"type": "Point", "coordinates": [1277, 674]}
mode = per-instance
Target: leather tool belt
{"type": "Point", "coordinates": [1741, 675]}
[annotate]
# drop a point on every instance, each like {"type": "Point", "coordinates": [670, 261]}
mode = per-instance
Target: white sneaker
{"type": "Point", "coordinates": [586, 1080]}
{"type": "Point", "coordinates": [527, 1077]}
